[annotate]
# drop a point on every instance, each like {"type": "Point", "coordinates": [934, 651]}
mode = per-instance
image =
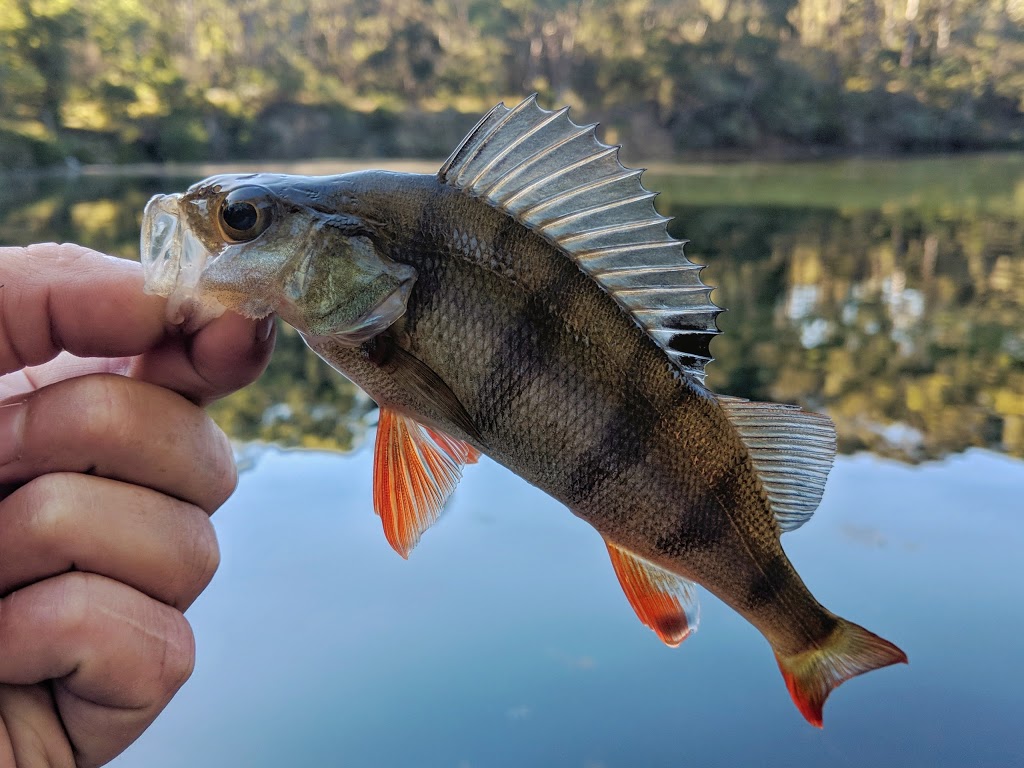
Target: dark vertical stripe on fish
{"type": "Point", "coordinates": [711, 510]}
{"type": "Point", "coordinates": [422, 250]}
{"type": "Point", "coordinates": [625, 442]}
{"type": "Point", "coordinates": [520, 348]}
{"type": "Point", "coordinates": [772, 579]}
{"type": "Point", "coordinates": [506, 237]}
{"type": "Point", "coordinates": [689, 538]}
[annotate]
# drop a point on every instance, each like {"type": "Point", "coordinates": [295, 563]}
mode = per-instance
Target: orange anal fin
{"type": "Point", "coordinates": [849, 651]}
{"type": "Point", "coordinates": [415, 470]}
{"type": "Point", "coordinates": [663, 601]}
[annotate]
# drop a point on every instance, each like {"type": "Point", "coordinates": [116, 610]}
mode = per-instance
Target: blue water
{"type": "Point", "coordinates": [506, 641]}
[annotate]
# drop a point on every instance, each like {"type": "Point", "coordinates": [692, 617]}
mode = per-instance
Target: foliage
{"type": "Point", "coordinates": [197, 79]}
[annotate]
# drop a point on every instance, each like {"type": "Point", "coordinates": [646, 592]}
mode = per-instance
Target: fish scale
{"type": "Point", "coordinates": [527, 302]}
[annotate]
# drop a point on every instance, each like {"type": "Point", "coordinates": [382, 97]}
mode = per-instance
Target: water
{"type": "Point", "coordinates": [889, 294]}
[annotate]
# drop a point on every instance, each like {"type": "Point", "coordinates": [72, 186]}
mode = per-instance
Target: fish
{"type": "Point", "coordinates": [528, 303]}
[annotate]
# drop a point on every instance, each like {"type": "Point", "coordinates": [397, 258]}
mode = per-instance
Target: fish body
{"type": "Point", "coordinates": [601, 421]}
{"type": "Point", "coordinates": [526, 306]}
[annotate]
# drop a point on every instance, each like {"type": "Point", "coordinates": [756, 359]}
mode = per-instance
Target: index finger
{"type": "Point", "coordinates": [65, 297]}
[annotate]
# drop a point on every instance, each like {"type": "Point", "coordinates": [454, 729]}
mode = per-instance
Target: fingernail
{"type": "Point", "coordinates": [264, 328]}
{"type": "Point", "coordinates": [12, 429]}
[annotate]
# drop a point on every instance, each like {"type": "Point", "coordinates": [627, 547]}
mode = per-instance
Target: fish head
{"type": "Point", "coordinates": [263, 243]}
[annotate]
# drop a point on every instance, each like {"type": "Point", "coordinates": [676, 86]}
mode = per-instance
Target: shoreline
{"type": "Point", "coordinates": [694, 166]}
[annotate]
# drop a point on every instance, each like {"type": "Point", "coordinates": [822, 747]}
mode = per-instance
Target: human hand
{"type": "Point", "coordinates": [109, 470]}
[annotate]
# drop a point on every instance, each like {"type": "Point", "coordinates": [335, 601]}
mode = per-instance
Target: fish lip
{"type": "Point", "coordinates": [161, 260]}
{"type": "Point", "coordinates": [173, 260]}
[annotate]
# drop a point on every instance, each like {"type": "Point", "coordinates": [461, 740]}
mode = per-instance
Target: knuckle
{"type": "Point", "coordinates": [20, 254]}
{"type": "Point", "coordinates": [224, 473]}
{"type": "Point", "coordinates": [25, 256]}
{"type": "Point", "coordinates": [157, 639]}
{"type": "Point", "coordinates": [204, 556]}
{"type": "Point", "coordinates": [47, 504]}
{"type": "Point", "coordinates": [177, 653]}
{"type": "Point", "coordinates": [61, 256]}
{"type": "Point", "coordinates": [75, 601]}
{"type": "Point", "coordinates": [69, 254]}
{"type": "Point", "coordinates": [104, 408]}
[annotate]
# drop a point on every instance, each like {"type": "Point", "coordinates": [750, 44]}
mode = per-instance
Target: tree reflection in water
{"type": "Point", "coordinates": [893, 298]}
{"type": "Point", "coordinates": [907, 329]}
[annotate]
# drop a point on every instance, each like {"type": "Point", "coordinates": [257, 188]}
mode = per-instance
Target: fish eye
{"type": "Point", "coordinates": [245, 214]}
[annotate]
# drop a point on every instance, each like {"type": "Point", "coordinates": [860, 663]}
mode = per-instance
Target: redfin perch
{"type": "Point", "coordinates": [527, 302]}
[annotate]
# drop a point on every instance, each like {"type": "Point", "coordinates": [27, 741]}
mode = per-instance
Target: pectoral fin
{"type": "Point", "coordinates": [463, 451]}
{"type": "Point", "coordinates": [420, 379]}
{"type": "Point", "coordinates": [415, 470]}
{"type": "Point", "coordinates": [663, 601]}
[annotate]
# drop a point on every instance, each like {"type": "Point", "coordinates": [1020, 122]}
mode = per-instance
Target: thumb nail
{"type": "Point", "coordinates": [264, 328]}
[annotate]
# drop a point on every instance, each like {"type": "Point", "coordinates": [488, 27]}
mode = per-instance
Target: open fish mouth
{"type": "Point", "coordinates": [173, 260]}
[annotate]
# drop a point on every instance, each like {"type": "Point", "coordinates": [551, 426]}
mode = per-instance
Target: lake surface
{"type": "Point", "coordinates": [889, 294]}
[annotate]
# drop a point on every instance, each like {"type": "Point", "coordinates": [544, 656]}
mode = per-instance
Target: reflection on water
{"type": "Point", "coordinates": [906, 326]}
{"type": "Point", "coordinates": [299, 401]}
{"type": "Point", "coordinates": [889, 294]}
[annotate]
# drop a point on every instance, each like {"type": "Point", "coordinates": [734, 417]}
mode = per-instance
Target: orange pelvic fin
{"type": "Point", "coordinates": [663, 601]}
{"type": "Point", "coordinates": [415, 470]}
{"type": "Point", "coordinates": [850, 651]}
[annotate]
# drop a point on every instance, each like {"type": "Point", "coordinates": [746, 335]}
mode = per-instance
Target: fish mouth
{"type": "Point", "coordinates": [173, 260]}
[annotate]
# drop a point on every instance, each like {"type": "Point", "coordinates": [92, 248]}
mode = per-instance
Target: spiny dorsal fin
{"type": "Point", "coordinates": [561, 182]}
{"type": "Point", "coordinates": [663, 601]}
{"type": "Point", "coordinates": [792, 451]}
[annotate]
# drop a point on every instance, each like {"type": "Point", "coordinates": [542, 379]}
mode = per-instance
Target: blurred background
{"type": "Point", "coordinates": [129, 80]}
{"type": "Point", "coordinates": [852, 173]}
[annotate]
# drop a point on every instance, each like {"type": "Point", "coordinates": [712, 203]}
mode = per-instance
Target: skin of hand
{"type": "Point", "coordinates": [109, 471]}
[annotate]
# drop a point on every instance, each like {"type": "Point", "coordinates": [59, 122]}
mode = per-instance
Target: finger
{"type": "Point", "coordinates": [63, 366]}
{"type": "Point", "coordinates": [61, 522]}
{"type": "Point", "coordinates": [55, 297]}
{"type": "Point", "coordinates": [226, 355]}
{"type": "Point", "coordinates": [58, 297]}
{"type": "Point", "coordinates": [35, 734]}
{"type": "Point", "coordinates": [116, 656]}
{"type": "Point", "coordinates": [120, 429]}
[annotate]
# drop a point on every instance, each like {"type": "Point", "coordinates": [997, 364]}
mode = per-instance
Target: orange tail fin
{"type": "Point", "coordinates": [850, 651]}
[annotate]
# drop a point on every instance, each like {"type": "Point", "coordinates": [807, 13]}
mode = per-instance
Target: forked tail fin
{"type": "Point", "coordinates": [850, 651]}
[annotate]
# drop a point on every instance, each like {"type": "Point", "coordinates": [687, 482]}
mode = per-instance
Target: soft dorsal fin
{"type": "Point", "coordinates": [561, 182]}
{"type": "Point", "coordinates": [663, 601]}
{"type": "Point", "coordinates": [415, 470]}
{"type": "Point", "coordinates": [792, 451]}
